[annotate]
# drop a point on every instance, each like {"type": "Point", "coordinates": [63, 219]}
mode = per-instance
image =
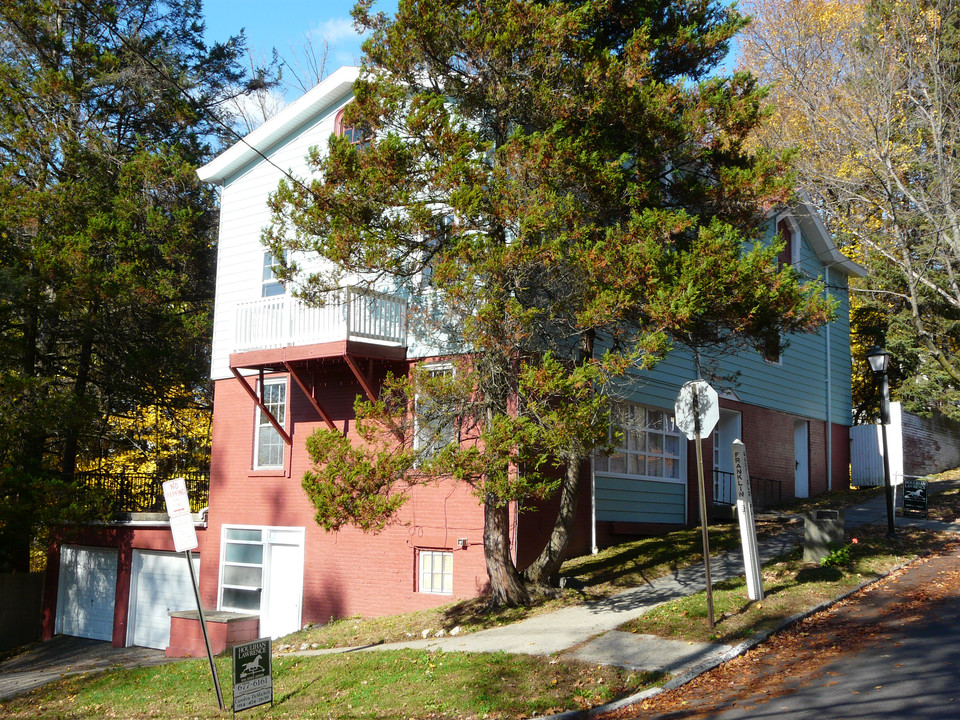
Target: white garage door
{"type": "Point", "coordinates": [160, 584]}
{"type": "Point", "coordinates": [87, 590]}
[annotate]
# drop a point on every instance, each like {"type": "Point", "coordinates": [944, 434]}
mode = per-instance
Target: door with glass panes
{"type": "Point", "coordinates": [261, 571]}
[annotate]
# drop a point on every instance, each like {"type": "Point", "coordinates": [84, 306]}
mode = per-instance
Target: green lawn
{"type": "Point", "coordinates": [404, 684]}
{"type": "Point", "coordinates": [420, 684]}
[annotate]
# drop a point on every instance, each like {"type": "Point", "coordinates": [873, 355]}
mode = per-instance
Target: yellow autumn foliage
{"type": "Point", "coordinates": [171, 436]}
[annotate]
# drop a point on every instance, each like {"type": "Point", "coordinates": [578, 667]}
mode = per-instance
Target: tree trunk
{"type": "Point", "coordinates": [506, 585]}
{"type": "Point", "coordinates": [68, 459]}
{"type": "Point", "coordinates": [544, 570]}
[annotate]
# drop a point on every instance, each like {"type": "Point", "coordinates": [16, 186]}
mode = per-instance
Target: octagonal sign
{"type": "Point", "coordinates": [697, 399]}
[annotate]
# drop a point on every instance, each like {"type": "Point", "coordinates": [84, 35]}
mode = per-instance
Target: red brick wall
{"type": "Point", "coordinates": [768, 436]}
{"type": "Point", "coordinates": [841, 457]}
{"type": "Point", "coordinates": [346, 572]}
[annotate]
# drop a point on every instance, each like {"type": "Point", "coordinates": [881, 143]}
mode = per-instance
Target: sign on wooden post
{"type": "Point", "coordinates": [748, 527]}
{"type": "Point", "coordinates": [696, 412]}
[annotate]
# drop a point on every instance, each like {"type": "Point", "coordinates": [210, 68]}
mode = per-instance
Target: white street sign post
{"type": "Point", "coordinates": [748, 528]}
{"type": "Point", "coordinates": [697, 412]}
{"type": "Point", "coordinates": [184, 540]}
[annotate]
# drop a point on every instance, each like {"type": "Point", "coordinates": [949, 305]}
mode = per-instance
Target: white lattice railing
{"type": "Point", "coordinates": [282, 321]}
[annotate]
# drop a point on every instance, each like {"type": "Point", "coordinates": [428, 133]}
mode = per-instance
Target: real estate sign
{"type": "Point", "coordinates": [915, 497]}
{"type": "Point", "coordinates": [252, 674]}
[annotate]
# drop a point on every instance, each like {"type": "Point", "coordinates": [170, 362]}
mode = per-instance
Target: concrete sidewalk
{"type": "Point", "coordinates": [588, 632]}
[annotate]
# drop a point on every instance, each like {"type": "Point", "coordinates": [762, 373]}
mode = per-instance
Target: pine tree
{"type": "Point", "coordinates": [565, 187]}
{"type": "Point", "coordinates": [106, 235]}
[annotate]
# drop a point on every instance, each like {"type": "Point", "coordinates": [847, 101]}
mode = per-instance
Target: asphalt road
{"type": "Point", "coordinates": [913, 674]}
{"type": "Point", "coordinates": [891, 650]}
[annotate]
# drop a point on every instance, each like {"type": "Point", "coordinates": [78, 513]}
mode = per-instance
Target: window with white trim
{"type": "Point", "coordinates": [268, 450]}
{"type": "Point", "coordinates": [241, 582]}
{"type": "Point", "coordinates": [436, 572]}
{"type": "Point", "coordinates": [271, 286]}
{"type": "Point", "coordinates": [434, 425]}
{"type": "Point", "coordinates": [650, 446]}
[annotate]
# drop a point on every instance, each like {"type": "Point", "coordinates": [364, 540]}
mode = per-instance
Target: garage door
{"type": "Point", "coordinates": [88, 586]}
{"type": "Point", "coordinates": [160, 584]}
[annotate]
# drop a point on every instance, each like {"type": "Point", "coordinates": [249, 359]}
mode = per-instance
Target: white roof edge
{"type": "Point", "coordinates": [280, 125]}
{"type": "Point", "coordinates": [820, 239]}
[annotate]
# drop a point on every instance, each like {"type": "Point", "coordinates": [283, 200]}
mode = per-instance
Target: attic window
{"type": "Point", "coordinates": [791, 242]}
{"type": "Point", "coordinates": [358, 136]}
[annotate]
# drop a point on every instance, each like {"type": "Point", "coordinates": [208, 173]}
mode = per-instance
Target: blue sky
{"type": "Point", "coordinates": [285, 23]}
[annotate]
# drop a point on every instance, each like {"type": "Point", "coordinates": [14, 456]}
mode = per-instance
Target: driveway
{"type": "Point", "coordinates": [44, 662]}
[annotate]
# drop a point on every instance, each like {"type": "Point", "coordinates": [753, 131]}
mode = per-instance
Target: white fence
{"type": "Point", "coordinates": [918, 446]}
{"type": "Point", "coordinates": [866, 452]}
{"type": "Point", "coordinates": [280, 321]}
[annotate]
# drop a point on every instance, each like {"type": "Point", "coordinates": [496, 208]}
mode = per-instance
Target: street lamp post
{"type": "Point", "coordinates": [879, 360]}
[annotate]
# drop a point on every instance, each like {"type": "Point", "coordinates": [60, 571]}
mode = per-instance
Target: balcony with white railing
{"type": "Point", "coordinates": [359, 315]}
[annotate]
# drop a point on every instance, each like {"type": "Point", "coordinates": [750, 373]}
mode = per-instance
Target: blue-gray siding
{"type": "Point", "coordinates": [629, 500]}
{"type": "Point", "coordinates": [797, 385]}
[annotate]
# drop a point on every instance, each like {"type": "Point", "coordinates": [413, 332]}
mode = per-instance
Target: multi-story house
{"type": "Point", "coordinates": [282, 369]}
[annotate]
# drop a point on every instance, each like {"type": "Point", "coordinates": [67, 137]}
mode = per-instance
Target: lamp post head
{"type": "Point", "coordinates": [879, 359]}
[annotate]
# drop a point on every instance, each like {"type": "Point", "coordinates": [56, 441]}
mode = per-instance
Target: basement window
{"type": "Point", "coordinates": [436, 572]}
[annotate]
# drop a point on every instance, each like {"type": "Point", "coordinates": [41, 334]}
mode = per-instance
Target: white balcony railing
{"type": "Point", "coordinates": [281, 321]}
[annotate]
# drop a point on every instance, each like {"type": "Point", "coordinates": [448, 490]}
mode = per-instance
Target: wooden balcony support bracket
{"type": "Point", "coordinates": [259, 403]}
{"type": "Point", "coordinates": [364, 380]}
{"type": "Point", "coordinates": [310, 395]}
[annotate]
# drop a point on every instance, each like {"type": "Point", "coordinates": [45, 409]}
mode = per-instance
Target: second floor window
{"type": "Point", "coordinates": [270, 285]}
{"type": "Point", "coordinates": [789, 237]}
{"type": "Point", "coordinates": [435, 426]}
{"type": "Point", "coordinates": [268, 453]}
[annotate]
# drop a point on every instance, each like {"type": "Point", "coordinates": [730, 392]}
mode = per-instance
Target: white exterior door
{"type": "Point", "coordinates": [284, 591]}
{"type": "Point", "coordinates": [261, 571]}
{"type": "Point", "coordinates": [87, 592]}
{"type": "Point", "coordinates": [728, 430]}
{"type": "Point", "coordinates": [160, 584]}
{"type": "Point", "coordinates": [801, 480]}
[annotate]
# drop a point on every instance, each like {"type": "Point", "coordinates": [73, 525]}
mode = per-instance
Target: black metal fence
{"type": "Point", "coordinates": [141, 492]}
{"type": "Point", "coordinates": [765, 492]}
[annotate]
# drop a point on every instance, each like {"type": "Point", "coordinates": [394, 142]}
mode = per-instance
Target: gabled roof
{"type": "Point", "coordinates": [279, 126]}
{"type": "Point", "coordinates": [821, 241]}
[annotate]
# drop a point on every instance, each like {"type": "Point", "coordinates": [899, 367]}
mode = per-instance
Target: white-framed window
{"type": "Point", "coordinates": [270, 285]}
{"type": "Point", "coordinates": [650, 445]}
{"type": "Point", "coordinates": [261, 572]}
{"type": "Point", "coordinates": [268, 445]}
{"type": "Point", "coordinates": [241, 569]}
{"type": "Point", "coordinates": [435, 572]}
{"type": "Point", "coordinates": [434, 427]}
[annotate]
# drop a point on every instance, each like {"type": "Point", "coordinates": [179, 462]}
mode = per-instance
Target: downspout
{"type": "Point", "coordinates": [829, 383]}
{"type": "Point", "coordinates": [593, 507]}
